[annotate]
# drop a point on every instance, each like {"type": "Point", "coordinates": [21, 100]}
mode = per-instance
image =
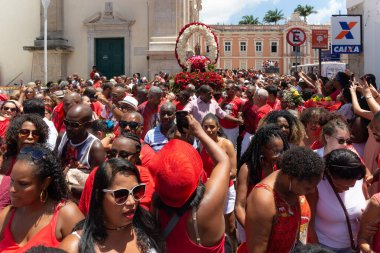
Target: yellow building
{"type": "Point", "coordinates": [251, 46]}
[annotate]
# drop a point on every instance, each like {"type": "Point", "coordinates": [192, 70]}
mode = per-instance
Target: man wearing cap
{"type": "Point", "coordinates": [128, 104]}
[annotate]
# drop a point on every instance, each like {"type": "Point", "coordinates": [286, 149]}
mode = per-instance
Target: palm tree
{"type": "Point", "coordinates": [305, 11]}
{"type": "Point", "coordinates": [273, 16]}
{"type": "Point", "coordinates": [249, 20]}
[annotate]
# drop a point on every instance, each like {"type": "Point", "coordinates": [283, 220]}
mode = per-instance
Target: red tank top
{"type": "Point", "coordinates": [179, 240]}
{"type": "Point", "coordinates": [286, 225]}
{"type": "Point", "coordinates": [45, 237]}
{"type": "Point", "coordinates": [209, 165]}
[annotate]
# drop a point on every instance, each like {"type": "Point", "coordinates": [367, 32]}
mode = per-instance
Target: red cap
{"type": "Point", "coordinates": [178, 172]}
{"type": "Point", "coordinates": [3, 97]}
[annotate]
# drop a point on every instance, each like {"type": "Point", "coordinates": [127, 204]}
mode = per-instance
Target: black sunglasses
{"type": "Point", "coordinates": [6, 108]}
{"type": "Point", "coordinates": [341, 141]}
{"type": "Point", "coordinates": [132, 125]}
{"type": "Point", "coordinates": [112, 153]}
{"type": "Point", "coordinates": [121, 195]}
{"type": "Point", "coordinates": [73, 124]}
{"type": "Point", "coordinates": [26, 132]}
{"type": "Point", "coordinates": [36, 154]}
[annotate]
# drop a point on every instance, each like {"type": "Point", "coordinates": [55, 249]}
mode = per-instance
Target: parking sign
{"type": "Point", "coordinates": [346, 34]}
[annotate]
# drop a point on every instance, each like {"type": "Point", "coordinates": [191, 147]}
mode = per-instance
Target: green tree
{"type": "Point", "coordinates": [273, 16]}
{"type": "Point", "coordinates": [249, 20]}
{"type": "Point", "coordinates": [305, 11]}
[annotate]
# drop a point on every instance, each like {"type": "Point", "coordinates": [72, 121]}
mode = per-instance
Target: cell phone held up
{"type": "Point", "coordinates": [182, 121]}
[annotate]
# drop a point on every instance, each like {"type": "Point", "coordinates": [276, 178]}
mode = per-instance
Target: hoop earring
{"type": "Point", "coordinates": [261, 158]}
{"type": "Point", "coordinates": [42, 199]}
{"type": "Point", "coordinates": [290, 185]}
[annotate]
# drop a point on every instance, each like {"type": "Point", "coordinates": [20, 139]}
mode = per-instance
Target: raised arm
{"type": "Point", "coordinates": [369, 224]}
{"type": "Point", "coordinates": [355, 104]}
{"type": "Point", "coordinates": [241, 194]}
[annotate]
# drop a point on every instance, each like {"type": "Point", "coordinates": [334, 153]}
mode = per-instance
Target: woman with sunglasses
{"type": "Point", "coordinates": [25, 130]}
{"type": "Point", "coordinates": [8, 111]}
{"type": "Point", "coordinates": [338, 202]}
{"type": "Point", "coordinates": [40, 213]}
{"type": "Point", "coordinates": [116, 222]}
{"type": "Point", "coordinates": [259, 161]}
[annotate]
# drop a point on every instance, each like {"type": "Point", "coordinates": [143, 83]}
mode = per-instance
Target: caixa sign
{"type": "Point", "coordinates": [336, 49]}
{"type": "Point", "coordinates": [346, 34]}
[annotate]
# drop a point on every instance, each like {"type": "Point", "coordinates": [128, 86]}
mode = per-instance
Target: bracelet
{"type": "Point", "coordinates": [368, 97]}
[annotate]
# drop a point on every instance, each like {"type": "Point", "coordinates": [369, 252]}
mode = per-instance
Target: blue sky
{"type": "Point", "coordinates": [231, 11]}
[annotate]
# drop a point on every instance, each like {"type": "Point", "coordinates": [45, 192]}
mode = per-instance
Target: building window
{"type": "Point", "coordinates": [227, 46]}
{"type": "Point", "coordinates": [259, 46]}
{"type": "Point", "coordinates": [243, 46]}
{"type": "Point", "coordinates": [227, 64]}
{"type": "Point", "coordinates": [207, 49]}
{"type": "Point", "coordinates": [243, 64]}
{"type": "Point", "coordinates": [273, 47]}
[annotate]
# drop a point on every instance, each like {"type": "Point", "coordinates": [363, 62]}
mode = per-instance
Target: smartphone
{"type": "Point", "coordinates": [182, 121]}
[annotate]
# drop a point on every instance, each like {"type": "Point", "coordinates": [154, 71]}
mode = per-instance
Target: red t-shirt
{"type": "Point", "coordinates": [261, 113]}
{"type": "Point", "coordinates": [276, 106]}
{"type": "Point", "coordinates": [231, 107]}
{"type": "Point", "coordinates": [97, 107]}
{"type": "Point", "coordinates": [249, 115]}
{"type": "Point", "coordinates": [150, 115]}
{"type": "Point", "coordinates": [57, 118]}
{"type": "Point", "coordinates": [179, 106]}
{"type": "Point", "coordinates": [3, 128]}
{"type": "Point", "coordinates": [84, 202]}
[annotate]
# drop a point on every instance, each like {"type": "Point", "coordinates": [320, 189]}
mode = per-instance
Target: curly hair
{"type": "Point", "coordinates": [94, 230]}
{"type": "Point", "coordinates": [46, 165]}
{"type": "Point", "coordinates": [302, 163]}
{"type": "Point", "coordinates": [11, 136]}
{"type": "Point", "coordinates": [297, 131]}
{"type": "Point", "coordinates": [252, 155]}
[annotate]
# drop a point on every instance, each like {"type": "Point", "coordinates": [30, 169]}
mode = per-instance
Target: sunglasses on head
{"type": "Point", "coordinates": [341, 141]}
{"type": "Point", "coordinates": [132, 125]}
{"type": "Point", "coordinates": [112, 153]}
{"type": "Point", "coordinates": [121, 195]}
{"type": "Point", "coordinates": [26, 132]}
{"type": "Point", "coordinates": [73, 124]}
{"type": "Point", "coordinates": [36, 154]}
{"type": "Point", "coordinates": [12, 109]}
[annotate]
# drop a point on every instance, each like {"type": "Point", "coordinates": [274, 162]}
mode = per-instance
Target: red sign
{"type": "Point", "coordinates": [296, 37]}
{"type": "Point", "coordinates": [320, 39]}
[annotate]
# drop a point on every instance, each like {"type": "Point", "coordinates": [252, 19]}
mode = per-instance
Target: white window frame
{"type": "Point", "coordinates": [271, 45]}
{"type": "Point", "coordinates": [241, 46]}
{"type": "Point", "coordinates": [230, 46]}
{"type": "Point", "coordinates": [243, 64]}
{"type": "Point", "coordinates": [261, 46]}
{"type": "Point", "coordinates": [227, 64]}
{"type": "Point", "coordinates": [259, 64]}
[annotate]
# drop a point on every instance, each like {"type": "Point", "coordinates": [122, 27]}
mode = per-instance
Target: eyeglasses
{"type": "Point", "coordinates": [341, 141]}
{"type": "Point", "coordinates": [132, 125]}
{"type": "Point", "coordinates": [36, 154]}
{"type": "Point", "coordinates": [73, 124]}
{"type": "Point", "coordinates": [121, 195]}
{"type": "Point", "coordinates": [112, 153]}
{"type": "Point", "coordinates": [12, 109]}
{"type": "Point", "coordinates": [26, 132]}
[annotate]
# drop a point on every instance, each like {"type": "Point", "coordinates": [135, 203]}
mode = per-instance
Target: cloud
{"type": "Point", "coordinates": [217, 11]}
{"type": "Point", "coordinates": [324, 14]}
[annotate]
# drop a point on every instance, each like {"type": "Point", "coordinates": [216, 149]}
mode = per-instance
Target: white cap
{"type": "Point", "coordinates": [129, 100]}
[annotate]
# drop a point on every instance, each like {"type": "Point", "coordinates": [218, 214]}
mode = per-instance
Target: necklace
{"type": "Point", "coordinates": [78, 144]}
{"type": "Point", "coordinates": [119, 228]}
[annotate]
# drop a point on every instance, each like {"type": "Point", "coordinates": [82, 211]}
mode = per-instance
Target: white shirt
{"type": "Point", "coordinates": [53, 134]}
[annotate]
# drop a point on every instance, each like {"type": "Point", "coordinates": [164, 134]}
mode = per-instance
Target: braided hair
{"type": "Point", "coordinates": [252, 156]}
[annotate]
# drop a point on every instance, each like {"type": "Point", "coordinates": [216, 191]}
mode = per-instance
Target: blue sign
{"type": "Point", "coordinates": [346, 34]}
{"type": "Point", "coordinates": [326, 55]}
{"type": "Point", "coordinates": [346, 49]}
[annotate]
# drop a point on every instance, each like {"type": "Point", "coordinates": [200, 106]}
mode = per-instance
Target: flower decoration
{"type": "Point", "coordinates": [198, 62]}
{"type": "Point", "coordinates": [322, 102]}
{"type": "Point", "coordinates": [182, 44]}
{"type": "Point", "coordinates": [198, 78]}
{"type": "Point", "coordinates": [291, 99]}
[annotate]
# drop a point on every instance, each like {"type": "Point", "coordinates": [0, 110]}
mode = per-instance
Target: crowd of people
{"type": "Point", "coordinates": [271, 163]}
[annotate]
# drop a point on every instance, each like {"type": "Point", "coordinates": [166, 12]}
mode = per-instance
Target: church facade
{"type": "Point", "coordinates": [118, 36]}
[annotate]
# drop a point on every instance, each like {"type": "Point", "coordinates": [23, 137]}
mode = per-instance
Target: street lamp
{"type": "Point", "coordinates": [45, 4]}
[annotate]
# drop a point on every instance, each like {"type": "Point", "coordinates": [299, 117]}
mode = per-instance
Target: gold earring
{"type": "Point", "coordinates": [290, 185]}
{"type": "Point", "coordinates": [42, 199]}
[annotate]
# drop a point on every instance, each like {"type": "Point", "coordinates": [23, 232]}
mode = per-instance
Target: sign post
{"type": "Point", "coordinates": [346, 34]}
{"type": "Point", "coordinates": [45, 4]}
{"type": "Point", "coordinates": [296, 37]}
{"type": "Point", "coordinates": [320, 40]}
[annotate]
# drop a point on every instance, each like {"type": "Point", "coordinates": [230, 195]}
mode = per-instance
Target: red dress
{"type": "Point", "coordinates": [3, 128]}
{"type": "Point", "coordinates": [286, 225]}
{"type": "Point", "coordinates": [45, 237]}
